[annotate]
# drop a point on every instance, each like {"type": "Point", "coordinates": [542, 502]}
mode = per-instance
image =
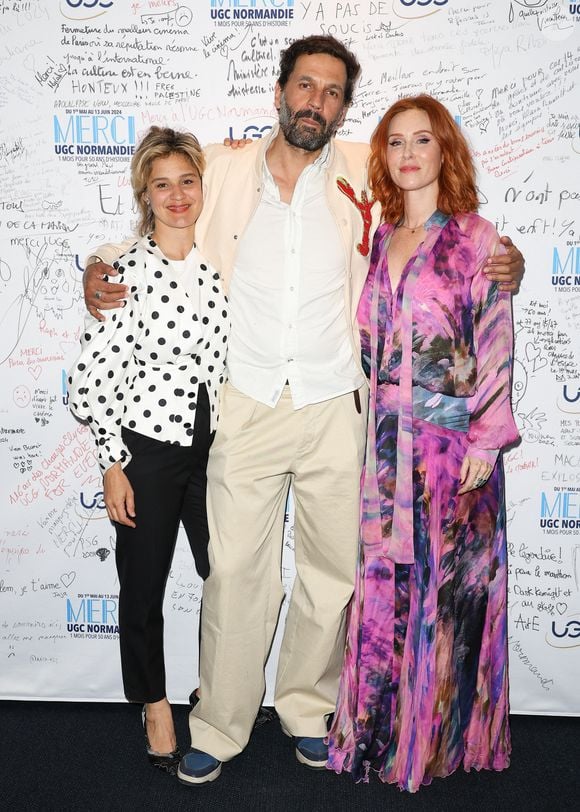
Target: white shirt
{"type": "Point", "coordinates": [141, 368]}
{"type": "Point", "coordinates": [287, 300]}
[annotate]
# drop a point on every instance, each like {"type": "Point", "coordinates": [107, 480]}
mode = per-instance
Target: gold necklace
{"type": "Point", "coordinates": [412, 230]}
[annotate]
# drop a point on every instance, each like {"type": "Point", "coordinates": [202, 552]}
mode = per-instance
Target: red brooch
{"type": "Point", "coordinates": [364, 205]}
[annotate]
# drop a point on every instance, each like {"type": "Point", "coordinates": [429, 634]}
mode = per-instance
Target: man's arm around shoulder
{"type": "Point", "coordinates": [99, 294]}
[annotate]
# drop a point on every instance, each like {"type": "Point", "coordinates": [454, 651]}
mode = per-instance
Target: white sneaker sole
{"type": "Point", "coordinates": [204, 779]}
{"type": "Point", "coordinates": [316, 765]}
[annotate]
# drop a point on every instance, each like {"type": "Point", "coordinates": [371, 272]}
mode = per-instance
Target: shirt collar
{"type": "Point", "coordinates": [314, 170]}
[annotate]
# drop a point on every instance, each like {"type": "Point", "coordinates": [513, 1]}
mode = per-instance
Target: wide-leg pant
{"type": "Point", "coordinates": [170, 483]}
{"type": "Point", "coordinates": [257, 454]}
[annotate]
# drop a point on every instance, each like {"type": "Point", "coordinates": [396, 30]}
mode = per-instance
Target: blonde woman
{"type": "Point", "coordinates": [147, 383]}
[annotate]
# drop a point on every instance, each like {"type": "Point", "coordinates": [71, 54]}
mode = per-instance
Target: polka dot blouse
{"type": "Point", "coordinates": [142, 367]}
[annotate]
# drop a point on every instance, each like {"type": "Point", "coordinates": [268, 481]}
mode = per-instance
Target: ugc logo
{"type": "Point", "coordinates": [84, 9]}
{"type": "Point", "coordinates": [568, 400]}
{"type": "Point", "coordinates": [250, 131]}
{"type": "Point", "coordinates": [415, 9]}
{"type": "Point", "coordinates": [564, 634]}
{"type": "Point", "coordinates": [89, 3]}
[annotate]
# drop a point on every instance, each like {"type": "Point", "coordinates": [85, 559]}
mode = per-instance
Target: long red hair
{"type": "Point", "coordinates": [457, 190]}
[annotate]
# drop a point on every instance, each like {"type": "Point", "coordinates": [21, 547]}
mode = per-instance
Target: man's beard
{"type": "Point", "coordinates": [304, 136]}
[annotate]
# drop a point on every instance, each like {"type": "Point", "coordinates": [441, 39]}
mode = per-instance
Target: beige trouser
{"type": "Point", "coordinates": [257, 454]}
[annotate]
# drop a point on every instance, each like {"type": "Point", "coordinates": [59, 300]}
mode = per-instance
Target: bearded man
{"type": "Point", "coordinates": [285, 222]}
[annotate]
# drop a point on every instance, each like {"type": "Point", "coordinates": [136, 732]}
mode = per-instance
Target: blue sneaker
{"type": "Point", "coordinates": [197, 767]}
{"type": "Point", "coordinates": [310, 751]}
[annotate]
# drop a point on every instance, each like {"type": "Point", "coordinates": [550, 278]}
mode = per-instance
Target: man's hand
{"type": "Point", "coordinates": [507, 269]}
{"type": "Point", "coordinates": [101, 295]}
{"type": "Point", "coordinates": [119, 497]}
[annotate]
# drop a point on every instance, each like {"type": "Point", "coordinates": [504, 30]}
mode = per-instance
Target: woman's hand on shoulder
{"type": "Point", "coordinates": [236, 143]}
{"type": "Point", "coordinates": [119, 496]}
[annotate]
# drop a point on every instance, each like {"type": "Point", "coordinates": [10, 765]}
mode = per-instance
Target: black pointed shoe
{"type": "Point", "coordinates": [168, 762]}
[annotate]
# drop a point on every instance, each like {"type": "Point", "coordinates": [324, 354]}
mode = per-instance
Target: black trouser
{"type": "Point", "coordinates": [169, 482]}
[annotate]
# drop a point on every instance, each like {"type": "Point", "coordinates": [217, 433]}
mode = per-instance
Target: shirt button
{"type": "Point", "coordinates": [291, 287]}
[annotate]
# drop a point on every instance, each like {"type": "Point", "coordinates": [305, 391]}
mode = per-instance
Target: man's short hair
{"type": "Point", "coordinates": [320, 45]}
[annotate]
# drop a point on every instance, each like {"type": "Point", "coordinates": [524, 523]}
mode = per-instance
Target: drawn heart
{"type": "Point", "coordinates": [35, 371]}
{"type": "Point", "coordinates": [561, 608]}
{"type": "Point", "coordinates": [533, 354]}
{"type": "Point", "coordinates": [67, 578]}
{"type": "Point", "coordinates": [532, 351]}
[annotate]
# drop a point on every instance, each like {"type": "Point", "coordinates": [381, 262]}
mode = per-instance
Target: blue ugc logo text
{"type": "Point", "coordinates": [423, 2]}
{"type": "Point", "coordinates": [251, 131]}
{"type": "Point", "coordinates": [571, 629]}
{"type": "Point", "coordinates": [88, 3]}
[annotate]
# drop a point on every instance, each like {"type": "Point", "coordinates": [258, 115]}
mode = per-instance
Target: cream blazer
{"type": "Point", "coordinates": [232, 190]}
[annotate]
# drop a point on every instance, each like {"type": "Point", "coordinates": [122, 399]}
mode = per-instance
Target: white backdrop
{"type": "Point", "coordinates": [81, 80]}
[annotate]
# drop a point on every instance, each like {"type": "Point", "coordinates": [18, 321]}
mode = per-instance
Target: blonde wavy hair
{"type": "Point", "coordinates": [160, 142]}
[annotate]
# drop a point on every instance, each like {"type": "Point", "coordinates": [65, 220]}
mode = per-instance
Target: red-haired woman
{"type": "Point", "coordinates": [425, 686]}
